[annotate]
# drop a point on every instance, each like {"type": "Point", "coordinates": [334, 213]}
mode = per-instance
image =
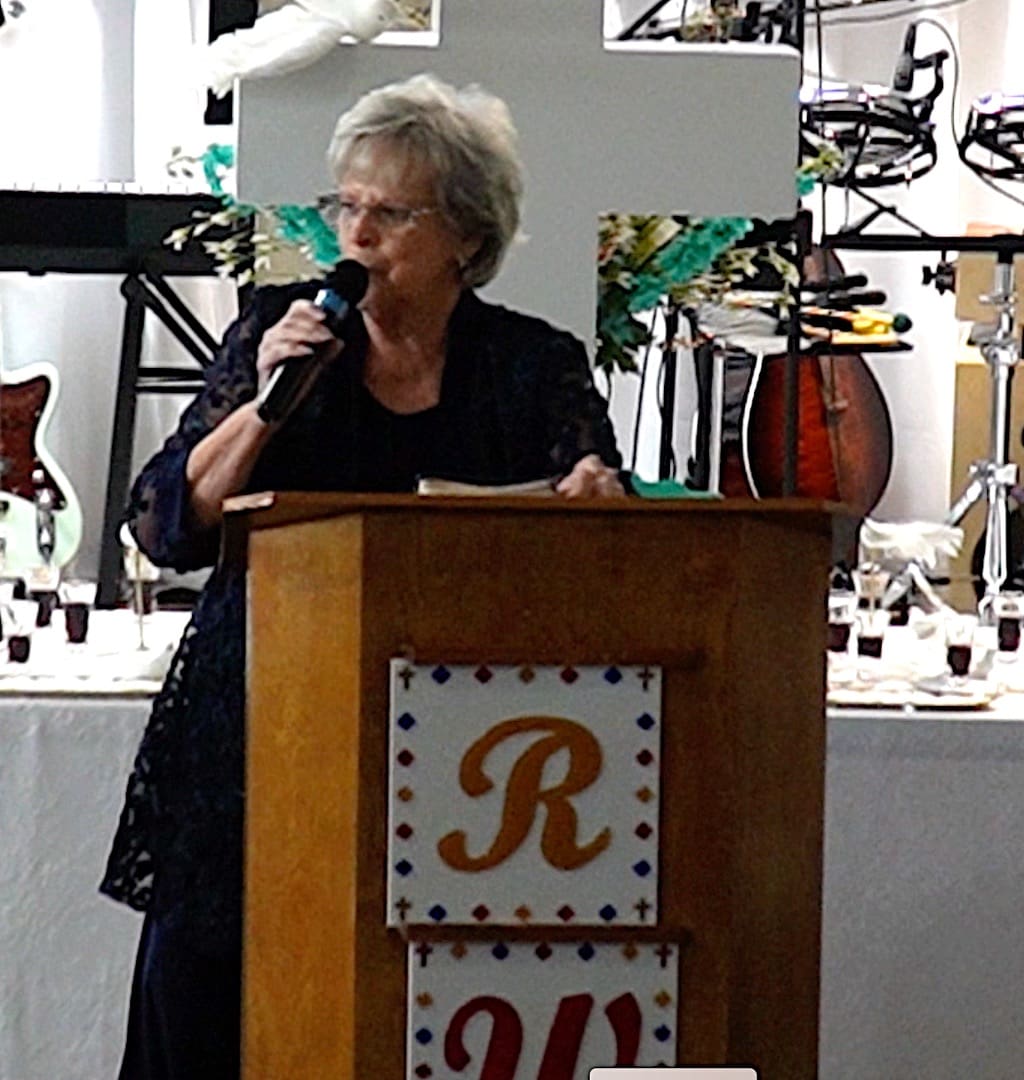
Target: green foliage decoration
{"type": "Point", "coordinates": [238, 250]}
{"type": "Point", "coordinates": [645, 260]}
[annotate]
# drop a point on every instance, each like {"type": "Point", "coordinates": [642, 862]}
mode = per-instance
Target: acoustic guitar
{"type": "Point", "coordinates": [37, 501]}
{"type": "Point", "coordinates": [844, 435]}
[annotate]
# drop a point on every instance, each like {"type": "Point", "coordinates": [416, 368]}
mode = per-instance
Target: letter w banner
{"type": "Point", "coordinates": [528, 1011]}
{"type": "Point", "coordinates": [524, 795]}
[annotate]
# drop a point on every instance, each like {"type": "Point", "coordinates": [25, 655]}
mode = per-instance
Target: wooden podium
{"type": "Point", "coordinates": [728, 597]}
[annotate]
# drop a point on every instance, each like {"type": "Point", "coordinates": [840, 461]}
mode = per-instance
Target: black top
{"type": "Point", "coordinates": [396, 449]}
{"type": "Point", "coordinates": [517, 403]}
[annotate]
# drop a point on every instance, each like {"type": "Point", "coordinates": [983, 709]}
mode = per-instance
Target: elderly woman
{"type": "Point", "coordinates": [430, 381]}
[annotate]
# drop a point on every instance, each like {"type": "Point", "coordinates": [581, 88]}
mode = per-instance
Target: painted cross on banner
{"type": "Point", "coordinates": [652, 127]}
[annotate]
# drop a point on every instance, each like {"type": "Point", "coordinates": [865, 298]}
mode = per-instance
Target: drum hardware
{"type": "Point", "coordinates": [993, 478]}
{"type": "Point", "coordinates": [884, 135]}
{"type": "Point", "coordinates": [943, 277]}
{"type": "Point", "coordinates": [992, 144]}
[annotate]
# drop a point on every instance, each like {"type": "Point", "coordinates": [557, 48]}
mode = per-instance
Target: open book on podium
{"type": "Point", "coordinates": [435, 485]}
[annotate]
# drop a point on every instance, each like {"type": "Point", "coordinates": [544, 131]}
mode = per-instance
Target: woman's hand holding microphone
{"type": "Point", "coordinates": [298, 335]}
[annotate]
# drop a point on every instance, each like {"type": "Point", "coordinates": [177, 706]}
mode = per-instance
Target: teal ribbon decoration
{"type": "Point", "coordinates": [219, 157]}
{"type": "Point", "coordinates": [304, 225]}
{"type": "Point", "coordinates": [689, 253]}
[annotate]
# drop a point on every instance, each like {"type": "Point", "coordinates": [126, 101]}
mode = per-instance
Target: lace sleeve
{"type": "Point", "coordinates": [158, 513]}
{"type": "Point", "coordinates": [576, 415]}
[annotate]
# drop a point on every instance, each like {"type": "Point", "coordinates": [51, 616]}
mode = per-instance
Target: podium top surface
{"type": "Point", "coordinates": [272, 509]}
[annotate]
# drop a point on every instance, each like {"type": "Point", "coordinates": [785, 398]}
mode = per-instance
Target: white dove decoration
{"type": "Point", "coordinates": [893, 544]}
{"type": "Point", "coordinates": [291, 38]}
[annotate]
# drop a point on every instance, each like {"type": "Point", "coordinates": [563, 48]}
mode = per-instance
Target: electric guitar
{"type": "Point", "coordinates": [40, 516]}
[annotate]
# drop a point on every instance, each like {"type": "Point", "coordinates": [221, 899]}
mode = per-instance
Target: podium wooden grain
{"type": "Point", "coordinates": [728, 597]}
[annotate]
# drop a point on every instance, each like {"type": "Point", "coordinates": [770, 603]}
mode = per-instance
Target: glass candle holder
{"type": "Point", "coordinates": [870, 581]}
{"type": "Point", "coordinates": [76, 622]}
{"type": "Point", "coordinates": [77, 598]}
{"type": "Point", "coordinates": [19, 646]}
{"type": "Point", "coordinates": [842, 610]}
{"type": "Point", "coordinates": [46, 604]}
{"type": "Point", "coordinates": [1009, 609]}
{"type": "Point", "coordinates": [19, 619]}
{"type": "Point", "coordinates": [959, 645]}
{"type": "Point", "coordinates": [871, 627]}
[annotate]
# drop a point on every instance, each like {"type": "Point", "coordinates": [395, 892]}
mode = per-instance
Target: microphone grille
{"type": "Point", "coordinates": [349, 279]}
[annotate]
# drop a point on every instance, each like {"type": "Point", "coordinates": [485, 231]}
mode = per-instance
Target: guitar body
{"type": "Point", "coordinates": [844, 435]}
{"type": "Point", "coordinates": [27, 400]}
{"type": "Point", "coordinates": [844, 432]}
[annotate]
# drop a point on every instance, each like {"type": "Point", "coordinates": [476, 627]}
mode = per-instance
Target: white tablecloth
{"type": "Point", "coordinates": [923, 939]}
{"type": "Point", "coordinates": [110, 661]}
{"type": "Point", "coordinates": [66, 953]}
{"type": "Point", "coordinates": [923, 911]}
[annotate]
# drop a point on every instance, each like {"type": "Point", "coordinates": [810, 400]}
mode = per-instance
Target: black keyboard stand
{"type": "Point", "coordinates": [143, 290]}
{"type": "Point", "coordinates": [118, 233]}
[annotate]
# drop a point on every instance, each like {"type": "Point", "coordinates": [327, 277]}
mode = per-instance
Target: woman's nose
{"type": "Point", "coordinates": [361, 229]}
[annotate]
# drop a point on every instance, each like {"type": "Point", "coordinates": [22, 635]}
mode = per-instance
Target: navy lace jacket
{"type": "Point", "coordinates": [517, 403]}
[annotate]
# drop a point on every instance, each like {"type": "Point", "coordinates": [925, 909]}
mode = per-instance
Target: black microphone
{"type": "Point", "coordinates": [903, 77]}
{"type": "Point", "coordinates": [343, 289]}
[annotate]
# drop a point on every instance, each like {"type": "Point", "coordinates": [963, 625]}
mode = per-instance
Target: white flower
{"type": "Point", "coordinates": [178, 238]}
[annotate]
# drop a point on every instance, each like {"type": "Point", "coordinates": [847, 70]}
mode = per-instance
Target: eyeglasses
{"type": "Point", "coordinates": [336, 210]}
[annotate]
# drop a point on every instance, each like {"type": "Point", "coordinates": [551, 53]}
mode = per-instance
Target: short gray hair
{"type": "Point", "coordinates": [468, 140]}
